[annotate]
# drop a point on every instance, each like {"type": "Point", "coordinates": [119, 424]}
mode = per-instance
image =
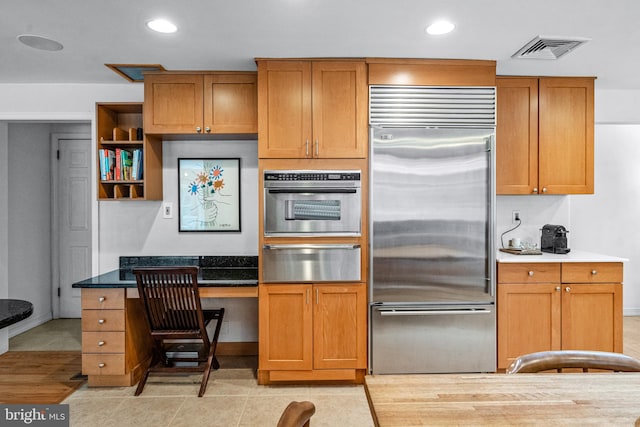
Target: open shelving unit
{"type": "Point", "coordinates": [119, 126]}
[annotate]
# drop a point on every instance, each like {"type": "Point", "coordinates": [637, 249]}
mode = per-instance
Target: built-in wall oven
{"type": "Point", "coordinates": [312, 203]}
{"type": "Point", "coordinates": [307, 204]}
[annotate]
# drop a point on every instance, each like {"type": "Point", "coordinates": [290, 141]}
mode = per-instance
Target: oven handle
{"type": "Point", "coordinates": [430, 312]}
{"type": "Point", "coordinates": [309, 246]}
{"type": "Point", "coordinates": [314, 190]}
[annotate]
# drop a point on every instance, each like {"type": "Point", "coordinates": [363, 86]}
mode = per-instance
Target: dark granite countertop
{"type": "Point", "coordinates": [13, 311]}
{"type": "Point", "coordinates": [215, 271]}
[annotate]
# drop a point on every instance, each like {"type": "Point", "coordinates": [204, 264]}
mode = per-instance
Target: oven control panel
{"type": "Point", "coordinates": [312, 175]}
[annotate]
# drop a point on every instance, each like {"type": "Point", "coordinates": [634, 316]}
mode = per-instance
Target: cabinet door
{"type": "Point", "coordinates": [284, 109]}
{"type": "Point", "coordinates": [592, 317]}
{"type": "Point", "coordinates": [230, 103]}
{"type": "Point", "coordinates": [285, 327]}
{"type": "Point", "coordinates": [528, 320]}
{"type": "Point", "coordinates": [173, 103]}
{"type": "Point", "coordinates": [566, 135]}
{"type": "Point", "coordinates": [517, 136]}
{"type": "Point", "coordinates": [339, 110]}
{"type": "Point", "coordinates": [340, 327]}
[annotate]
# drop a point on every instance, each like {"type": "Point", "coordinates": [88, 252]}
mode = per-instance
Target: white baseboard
{"type": "Point", "coordinates": [28, 323]}
{"type": "Point", "coordinates": [631, 312]}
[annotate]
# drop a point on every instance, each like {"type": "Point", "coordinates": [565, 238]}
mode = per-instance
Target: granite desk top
{"type": "Point", "coordinates": [13, 311]}
{"type": "Point", "coordinates": [213, 271]}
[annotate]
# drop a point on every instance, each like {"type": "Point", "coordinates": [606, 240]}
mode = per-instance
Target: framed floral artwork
{"type": "Point", "coordinates": [209, 194]}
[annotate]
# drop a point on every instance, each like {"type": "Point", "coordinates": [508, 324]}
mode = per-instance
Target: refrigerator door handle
{"type": "Point", "coordinates": [387, 312]}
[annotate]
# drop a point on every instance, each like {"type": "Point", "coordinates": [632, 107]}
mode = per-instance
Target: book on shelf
{"type": "Point", "coordinates": [125, 165]}
{"type": "Point", "coordinates": [117, 175]}
{"type": "Point", "coordinates": [111, 164]}
{"type": "Point", "coordinates": [136, 172]}
{"type": "Point", "coordinates": [139, 134]}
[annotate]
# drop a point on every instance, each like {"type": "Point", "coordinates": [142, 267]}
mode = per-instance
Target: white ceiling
{"type": "Point", "coordinates": [228, 35]}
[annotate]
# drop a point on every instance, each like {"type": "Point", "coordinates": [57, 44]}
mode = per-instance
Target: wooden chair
{"type": "Point", "coordinates": [297, 414]}
{"type": "Point", "coordinates": [177, 322]}
{"type": "Point", "coordinates": [559, 360]}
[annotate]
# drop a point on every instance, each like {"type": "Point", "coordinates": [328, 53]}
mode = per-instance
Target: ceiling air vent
{"type": "Point", "coordinates": [543, 47]}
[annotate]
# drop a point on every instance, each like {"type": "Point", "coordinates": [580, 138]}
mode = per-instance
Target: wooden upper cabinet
{"type": "Point", "coordinates": [566, 120]}
{"type": "Point", "coordinates": [517, 135]}
{"type": "Point", "coordinates": [544, 135]}
{"type": "Point", "coordinates": [312, 109]}
{"type": "Point", "coordinates": [231, 103]}
{"type": "Point", "coordinates": [200, 103]}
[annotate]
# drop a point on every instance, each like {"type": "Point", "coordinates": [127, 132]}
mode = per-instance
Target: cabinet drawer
{"type": "Point", "coordinates": [103, 320]}
{"type": "Point", "coordinates": [529, 273]}
{"type": "Point", "coordinates": [103, 342]}
{"type": "Point", "coordinates": [592, 272]}
{"type": "Point", "coordinates": [103, 298]}
{"type": "Point", "coordinates": [103, 364]}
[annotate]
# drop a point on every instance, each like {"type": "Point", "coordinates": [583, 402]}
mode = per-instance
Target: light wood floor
{"type": "Point", "coordinates": [631, 336]}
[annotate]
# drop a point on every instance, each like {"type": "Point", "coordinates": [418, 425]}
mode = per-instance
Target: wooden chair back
{"type": "Point", "coordinates": [172, 301]}
{"type": "Point", "coordinates": [565, 359]}
{"type": "Point", "coordinates": [297, 414]}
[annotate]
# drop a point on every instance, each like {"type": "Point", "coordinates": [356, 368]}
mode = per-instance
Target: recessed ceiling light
{"type": "Point", "coordinates": [162, 26]}
{"type": "Point", "coordinates": [440, 27]}
{"type": "Point", "coordinates": [39, 42]}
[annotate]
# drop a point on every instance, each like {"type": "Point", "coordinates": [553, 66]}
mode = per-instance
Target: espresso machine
{"type": "Point", "coordinates": [554, 239]}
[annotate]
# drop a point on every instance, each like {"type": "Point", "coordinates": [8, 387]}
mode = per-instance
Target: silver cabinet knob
{"type": "Point", "coordinates": [568, 289]}
{"type": "Point", "coordinates": [100, 321]}
{"type": "Point", "coordinates": [558, 288]}
{"type": "Point", "coordinates": [544, 189]}
{"type": "Point", "coordinates": [531, 274]}
{"type": "Point", "coordinates": [594, 272]}
{"type": "Point", "coordinates": [100, 343]}
{"type": "Point", "coordinates": [198, 129]}
{"type": "Point", "coordinates": [101, 299]}
{"type": "Point", "coordinates": [535, 190]}
{"type": "Point", "coordinates": [307, 148]}
{"type": "Point", "coordinates": [317, 149]}
{"type": "Point", "coordinates": [101, 365]}
{"type": "Point", "coordinates": [207, 129]}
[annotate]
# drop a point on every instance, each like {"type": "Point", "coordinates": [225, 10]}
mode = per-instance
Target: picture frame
{"type": "Point", "coordinates": [209, 194]}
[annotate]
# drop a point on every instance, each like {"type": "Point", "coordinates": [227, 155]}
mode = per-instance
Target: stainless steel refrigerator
{"type": "Point", "coordinates": [432, 291]}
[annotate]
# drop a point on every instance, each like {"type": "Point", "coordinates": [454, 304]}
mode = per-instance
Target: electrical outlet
{"type": "Point", "coordinates": [167, 210]}
{"type": "Point", "coordinates": [515, 217]}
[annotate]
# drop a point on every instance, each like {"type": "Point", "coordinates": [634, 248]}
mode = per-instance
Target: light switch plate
{"type": "Point", "coordinates": [167, 210]}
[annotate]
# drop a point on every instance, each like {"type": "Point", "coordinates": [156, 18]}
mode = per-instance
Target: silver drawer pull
{"type": "Point", "coordinates": [312, 246]}
{"type": "Point", "coordinates": [100, 321]}
{"type": "Point", "coordinates": [568, 289]}
{"type": "Point", "coordinates": [531, 274]}
{"type": "Point", "coordinates": [100, 343]}
{"type": "Point", "coordinates": [594, 272]}
{"type": "Point", "coordinates": [101, 365]}
{"type": "Point", "coordinates": [101, 299]}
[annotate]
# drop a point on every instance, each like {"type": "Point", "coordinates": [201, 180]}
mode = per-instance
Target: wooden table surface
{"type": "Point", "coordinates": [505, 400]}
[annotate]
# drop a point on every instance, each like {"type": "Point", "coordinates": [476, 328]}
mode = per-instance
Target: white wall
{"type": "Point", "coordinates": [138, 228]}
{"type": "Point", "coordinates": [4, 226]}
{"type": "Point", "coordinates": [29, 204]}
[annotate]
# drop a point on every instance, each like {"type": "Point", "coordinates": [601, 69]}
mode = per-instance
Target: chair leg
{"type": "Point", "coordinates": [212, 360]}
{"type": "Point", "coordinates": [154, 360]}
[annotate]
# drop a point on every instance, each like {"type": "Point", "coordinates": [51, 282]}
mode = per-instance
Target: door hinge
{"type": "Point", "coordinates": [58, 291]}
{"type": "Point", "coordinates": [58, 154]}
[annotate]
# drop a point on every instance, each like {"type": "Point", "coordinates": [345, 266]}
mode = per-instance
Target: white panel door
{"type": "Point", "coordinates": [74, 205]}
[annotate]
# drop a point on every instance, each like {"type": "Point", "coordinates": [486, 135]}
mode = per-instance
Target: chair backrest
{"type": "Point", "coordinates": [172, 301]}
{"type": "Point", "coordinates": [297, 414]}
{"type": "Point", "coordinates": [561, 359]}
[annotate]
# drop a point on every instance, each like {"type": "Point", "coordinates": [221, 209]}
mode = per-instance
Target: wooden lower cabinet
{"type": "Point", "coordinates": [115, 341]}
{"type": "Point", "coordinates": [312, 332]}
{"type": "Point", "coordinates": [558, 306]}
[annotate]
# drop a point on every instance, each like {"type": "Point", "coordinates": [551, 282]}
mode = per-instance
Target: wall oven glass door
{"type": "Point", "coordinates": [301, 203]}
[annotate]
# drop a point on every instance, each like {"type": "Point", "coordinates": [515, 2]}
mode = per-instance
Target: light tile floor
{"type": "Point", "coordinates": [233, 397]}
